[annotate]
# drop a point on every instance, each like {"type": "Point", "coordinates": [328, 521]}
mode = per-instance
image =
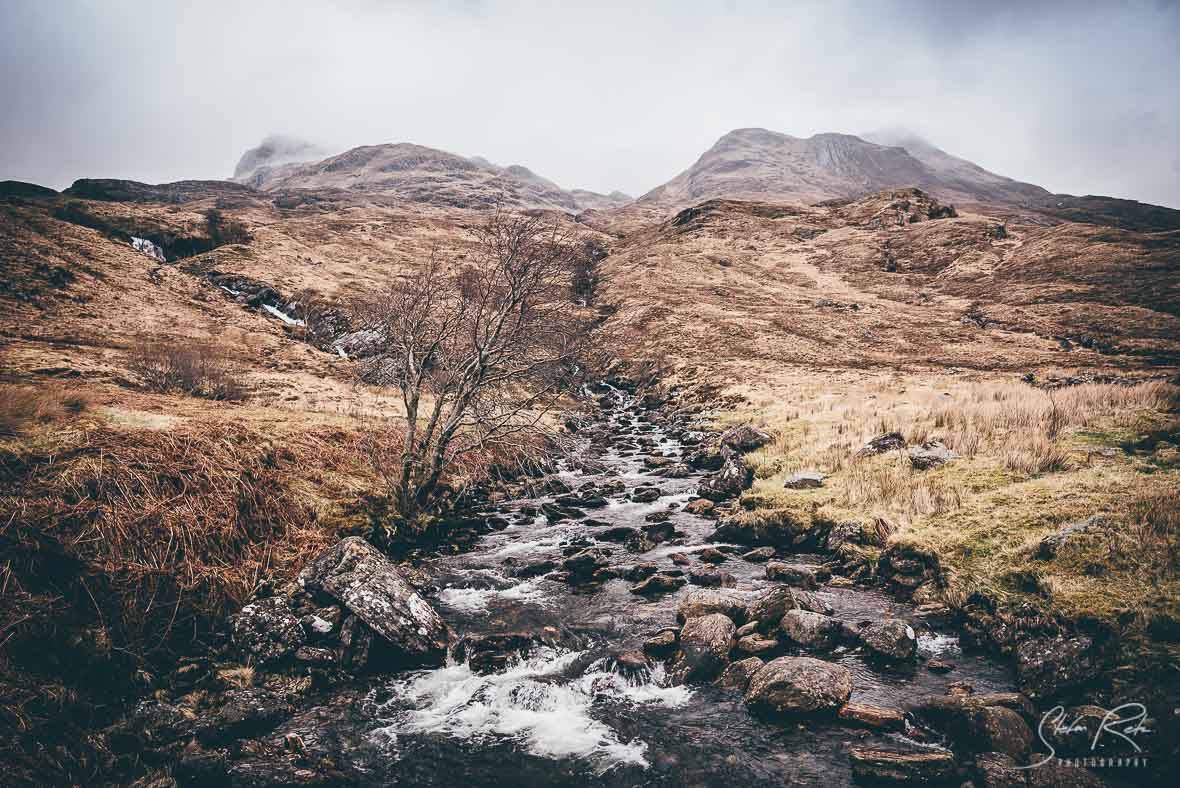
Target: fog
{"type": "Point", "coordinates": [1076, 97]}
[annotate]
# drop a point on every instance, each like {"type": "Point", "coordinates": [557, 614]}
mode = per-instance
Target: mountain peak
{"type": "Point", "coordinates": [275, 150]}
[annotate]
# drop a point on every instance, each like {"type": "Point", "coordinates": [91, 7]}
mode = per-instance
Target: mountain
{"type": "Point", "coordinates": [275, 150]}
{"type": "Point", "coordinates": [758, 164]}
{"type": "Point", "coordinates": [417, 174]}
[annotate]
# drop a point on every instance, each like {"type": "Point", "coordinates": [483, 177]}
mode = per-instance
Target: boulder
{"type": "Point", "coordinates": [645, 494]}
{"type": "Point", "coordinates": [889, 441]}
{"type": "Point", "coordinates": [907, 767]}
{"type": "Point", "coordinates": [1047, 666]}
{"type": "Point", "coordinates": [711, 577]}
{"type": "Point", "coordinates": [703, 603]}
{"type": "Point", "coordinates": [585, 562]}
{"type": "Point", "coordinates": [756, 644]}
{"type": "Point", "coordinates": [804, 480]}
{"type": "Point", "coordinates": [737, 676]}
{"type": "Point", "coordinates": [891, 639]}
{"type": "Point", "coordinates": [997, 729]}
{"type": "Point", "coordinates": [930, 455]}
{"type": "Point", "coordinates": [798, 575]}
{"type": "Point", "coordinates": [708, 459]}
{"type": "Point", "coordinates": [744, 438]}
{"type": "Point", "coordinates": [266, 630]}
{"type": "Point", "coordinates": [799, 686]}
{"type": "Point", "coordinates": [711, 555]}
{"type": "Point", "coordinates": [769, 606]}
{"type": "Point", "coordinates": [701, 506]}
{"type": "Point", "coordinates": [662, 644]}
{"type": "Point", "coordinates": [759, 554]}
{"type": "Point", "coordinates": [243, 714]}
{"type": "Point", "coordinates": [355, 574]}
{"type": "Point", "coordinates": [659, 583]}
{"type": "Point", "coordinates": [705, 642]}
{"type": "Point", "coordinates": [811, 630]}
{"type": "Point", "coordinates": [735, 476]}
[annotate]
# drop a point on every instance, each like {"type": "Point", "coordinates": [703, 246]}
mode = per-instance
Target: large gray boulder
{"type": "Point", "coordinates": [705, 642]}
{"type": "Point", "coordinates": [891, 639]}
{"type": "Point", "coordinates": [745, 438]}
{"type": "Point", "coordinates": [355, 574]}
{"type": "Point", "coordinates": [266, 630]}
{"type": "Point", "coordinates": [793, 574]}
{"type": "Point", "coordinates": [799, 686]}
{"type": "Point", "coordinates": [811, 630]}
{"type": "Point", "coordinates": [735, 476]}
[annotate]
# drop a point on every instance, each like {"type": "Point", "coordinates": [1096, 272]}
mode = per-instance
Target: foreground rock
{"type": "Point", "coordinates": [811, 630]}
{"type": "Point", "coordinates": [799, 686]}
{"type": "Point", "coordinates": [804, 480]}
{"type": "Point", "coordinates": [705, 642]}
{"type": "Point", "coordinates": [930, 455]}
{"type": "Point", "coordinates": [703, 603]}
{"type": "Point", "coordinates": [901, 767]}
{"type": "Point", "coordinates": [792, 574]}
{"type": "Point", "coordinates": [354, 573]}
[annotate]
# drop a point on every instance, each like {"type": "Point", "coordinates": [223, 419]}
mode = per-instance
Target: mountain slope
{"type": "Point", "coordinates": [766, 165]}
{"type": "Point", "coordinates": [419, 174]}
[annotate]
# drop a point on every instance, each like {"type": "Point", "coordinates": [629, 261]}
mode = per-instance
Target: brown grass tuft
{"type": "Point", "coordinates": [23, 406]}
{"type": "Point", "coordinates": [196, 368]}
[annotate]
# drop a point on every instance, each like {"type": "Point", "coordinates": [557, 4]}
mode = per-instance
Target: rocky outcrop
{"type": "Point", "coordinates": [355, 574]}
{"type": "Point", "coordinates": [799, 686]}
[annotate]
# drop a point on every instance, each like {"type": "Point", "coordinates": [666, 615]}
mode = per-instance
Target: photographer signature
{"type": "Point", "coordinates": [1125, 722]}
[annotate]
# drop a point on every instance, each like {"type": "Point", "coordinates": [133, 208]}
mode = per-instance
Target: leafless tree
{"type": "Point", "coordinates": [481, 349]}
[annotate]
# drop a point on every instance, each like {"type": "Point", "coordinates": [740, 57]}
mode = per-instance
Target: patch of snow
{"type": "Point", "coordinates": [145, 246]}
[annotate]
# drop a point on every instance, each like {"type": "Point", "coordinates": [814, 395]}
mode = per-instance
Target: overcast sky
{"type": "Point", "coordinates": [1074, 96]}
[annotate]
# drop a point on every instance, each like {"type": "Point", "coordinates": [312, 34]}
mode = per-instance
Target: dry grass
{"type": "Point", "coordinates": [197, 368]}
{"type": "Point", "coordinates": [21, 407]}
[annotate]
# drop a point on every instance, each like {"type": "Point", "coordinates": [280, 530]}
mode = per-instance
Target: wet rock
{"type": "Point", "coordinates": [659, 583]}
{"type": "Point", "coordinates": [660, 532]}
{"type": "Point", "coordinates": [867, 715]}
{"type": "Point", "coordinates": [632, 665]}
{"type": "Point", "coordinates": [640, 572]}
{"type": "Point", "coordinates": [735, 476]}
{"type": "Point", "coordinates": [705, 642]}
{"type": "Point", "coordinates": [804, 480]}
{"type": "Point", "coordinates": [925, 767]}
{"type": "Point", "coordinates": [793, 574]}
{"type": "Point", "coordinates": [266, 630]}
{"type": "Point", "coordinates": [748, 628]}
{"type": "Point", "coordinates": [939, 666]}
{"type": "Point", "coordinates": [680, 559]}
{"type": "Point", "coordinates": [889, 441]}
{"type": "Point", "coordinates": [891, 639]}
{"type": "Point", "coordinates": [703, 603]}
{"type": "Point", "coordinates": [952, 712]}
{"type": "Point", "coordinates": [744, 438]}
{"type": "Point", "coordinates": [997, 770]}
{"type": "Point", "coordinates": [799, 686]}
{"type": "Point", "coordinates": [677, 470]}
{"type": "Point", "coordinates": [930, 455]}
{"type": "Point", "coordinates": [995, 728]}
{"type": "Point", "coordinates": [756, 644]}
{"type": "Point", "coordinates": [769, 606]}
{"type": "Point", "coordinates": [243, 714]}
{"type": "Point", "coordinates": [811, 630]}
{"type": "Point", "coordinates": [493, 652]}
{"type": "Point", "coordinates": [1047, 666]}
{"type": "Point", "coordinates": [535, 569]}
{"type": "Point", "coordinates": [1053, 543]}
{"type": "Point", "coordinates": [662, 644]}
{"type": "Point", "coordinates": [645, 494]}
{"type": "Point", "coordinates": [620, 533]}
{"type": "Point", "coordinates": [708, 459]}
{"type": "Point", "coordinates": [700, 506]}
{"type": "Point", "coordinates": [712, 555]}
{"type": "Point", "coordinates": [584, 563]}
{"type": "Point", "coordinates": [847, 532]}
{"type": "Point", "coordinates": [760, 554]}
{"type": "Point", "coordinates": [364, 581]}
{"type": "Point", "coordinates": [709, 577]}
{"type": "Point", "coordinates": [653, 462]}
{"type": "Point", "coordinates": [356, 644]}
{"type": "Point", "coordinates": [738, 674]}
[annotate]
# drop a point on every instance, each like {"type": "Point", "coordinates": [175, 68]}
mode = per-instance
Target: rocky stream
{"type": "Point", "coordinates": [599, 631]}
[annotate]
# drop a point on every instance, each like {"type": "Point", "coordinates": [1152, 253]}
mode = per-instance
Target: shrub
{"type": "Point", "coordinates": [22, 406]}
{"type": "Point", "coordinates": [199, 369]}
